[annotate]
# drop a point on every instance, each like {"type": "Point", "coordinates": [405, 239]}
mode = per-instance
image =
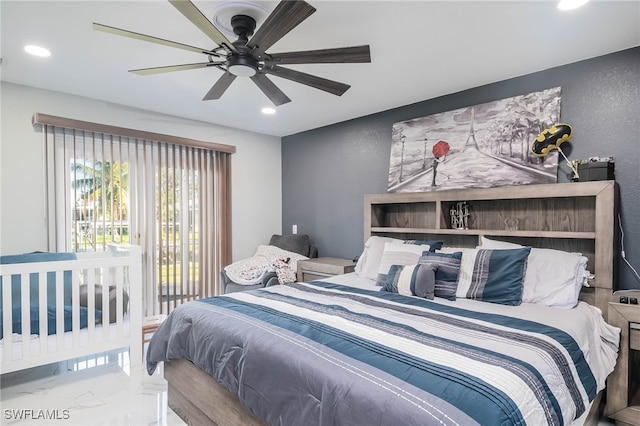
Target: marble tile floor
{"type": "Point", "coordinates": [96, 390]}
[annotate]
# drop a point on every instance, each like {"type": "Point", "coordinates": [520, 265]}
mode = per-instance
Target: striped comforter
{"type": "Point", "coordinates": [321, 353]}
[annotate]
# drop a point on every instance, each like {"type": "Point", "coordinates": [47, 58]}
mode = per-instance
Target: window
{"type": "Point", "coordinates": [171, 199]}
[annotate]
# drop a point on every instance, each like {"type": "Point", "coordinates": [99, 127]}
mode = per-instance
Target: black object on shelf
{"type": "Point", "coordinates": [596, 170]}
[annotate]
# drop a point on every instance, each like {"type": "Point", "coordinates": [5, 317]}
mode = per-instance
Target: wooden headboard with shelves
{"type": "Point", "coordinates": [577, 217]}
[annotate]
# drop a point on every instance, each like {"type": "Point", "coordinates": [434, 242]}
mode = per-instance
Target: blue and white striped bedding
{"type": "Point", "coordinates": [324, 353]}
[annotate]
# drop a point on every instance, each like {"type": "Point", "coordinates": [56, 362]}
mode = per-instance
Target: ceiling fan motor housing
{"type": "Point", "coordinates": [243, 26]}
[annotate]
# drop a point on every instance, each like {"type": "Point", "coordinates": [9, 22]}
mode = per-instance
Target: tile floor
{"type": "Point", "coordinates": [97, 390]}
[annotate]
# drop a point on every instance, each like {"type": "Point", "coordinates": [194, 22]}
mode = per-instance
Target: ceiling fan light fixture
{"type": "Point", "coordinates": [242, 70]}
{"type": "Point", "coordinates": [242, 66]}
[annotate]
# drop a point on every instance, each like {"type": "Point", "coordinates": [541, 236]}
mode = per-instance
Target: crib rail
{"type": "Point", "coordinates": [45, 322]}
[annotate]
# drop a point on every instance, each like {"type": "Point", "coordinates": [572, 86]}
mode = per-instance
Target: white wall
{"type": "Point", "coordinates": [256, 165]}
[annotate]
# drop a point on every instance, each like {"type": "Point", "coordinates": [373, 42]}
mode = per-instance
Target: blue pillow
{"type": "Point", "coordinates": [411, 280]}
{"type": "Point", "coordinates": [33, 278]}
{"type": "Point", "coordinates": [447, 272]}
{"type": "Point", "coordinates": [494, 276]}
{"type": "Point", "coordinates": [34, 318]}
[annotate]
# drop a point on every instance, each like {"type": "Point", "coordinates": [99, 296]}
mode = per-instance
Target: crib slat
{"type": "Point", "coordinates": [25, 297]}
{"type": "Point", "coordinates": [43, 320]}
{"type": "Point", "coordinates": [119, 300]}
{"type": "Point", "coordinates": [75, 308]}
{"type": "Point", "coordinates": [7, 316]}
{"type": "Point", "coordinates": [91, 303]}
{"type": "Point", "coordinates": [59, 278]}
{"type": "Point", "coordinates": [105, 304]}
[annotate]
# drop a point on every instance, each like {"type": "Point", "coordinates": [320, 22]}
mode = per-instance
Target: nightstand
{"type": "Point", "coordinates": [623, 387]}
{"type": "Point", "coordinates": [150, 325]}
{"type": "Point", "coordinates": [323, 267]}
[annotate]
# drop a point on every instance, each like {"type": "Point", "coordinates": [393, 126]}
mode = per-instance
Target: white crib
{"type": "Point", "coordinates": [88, 333]}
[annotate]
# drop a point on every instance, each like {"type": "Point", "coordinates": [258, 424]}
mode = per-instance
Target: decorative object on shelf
{"type": "Point", "coordinates": [439, 150]}
{"type": "Point", "coordinates": [511, 223]}
{"type": "Point", "coordinates": [595, 168]}
{"type": "Point", "coordinates": [550, 139]}
{"type": "Point", "coordinates": [488, 146]}
{"type": "Point", "coordinates": [460, 215]}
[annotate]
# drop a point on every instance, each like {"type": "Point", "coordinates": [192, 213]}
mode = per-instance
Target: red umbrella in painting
{"type": "Point", "coordinates": [440, 149]}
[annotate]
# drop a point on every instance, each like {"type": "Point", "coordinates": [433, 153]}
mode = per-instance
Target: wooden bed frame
{"type": "Point", "coordinates": [199, 400]}
{"type": "Point", "coordinates": [571, 217]}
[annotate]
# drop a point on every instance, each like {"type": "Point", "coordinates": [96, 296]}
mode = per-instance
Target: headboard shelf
{"type": "Point", "coordinates": [577, 217]}
{"type": "Point", "coordinates": [486, 232]}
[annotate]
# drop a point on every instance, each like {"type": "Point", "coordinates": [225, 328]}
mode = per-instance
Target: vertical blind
{"type": "Point", "coordinates": [110, 185]}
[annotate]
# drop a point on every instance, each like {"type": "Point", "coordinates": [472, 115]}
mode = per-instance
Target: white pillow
{"type": "Point", "coordinates": [552, 278]}
{"type": "Point", "coordinates": [448, 250]}
{"type": "Point", "coordinates": [398, 254]}
{"type": "Point", "coordinates": [369, 261]}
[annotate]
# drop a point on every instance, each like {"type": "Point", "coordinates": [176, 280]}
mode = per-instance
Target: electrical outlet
{"type": "Point", "coordinates": [294, 229]}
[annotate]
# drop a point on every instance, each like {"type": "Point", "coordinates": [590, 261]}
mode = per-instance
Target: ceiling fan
{"type": "Point", "coordinates": [248, 57]}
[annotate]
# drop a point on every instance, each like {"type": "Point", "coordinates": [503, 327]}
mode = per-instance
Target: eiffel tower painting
{"type": "Point", "coordinates": [471, 142]}
{"type": "Point", "coordinates": [489, 146]}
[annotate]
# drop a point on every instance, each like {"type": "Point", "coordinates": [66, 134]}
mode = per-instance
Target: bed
{"type": "Point", "coordinates": [425, 351]}
{"type": "Point", "coordinates": [59, 306]}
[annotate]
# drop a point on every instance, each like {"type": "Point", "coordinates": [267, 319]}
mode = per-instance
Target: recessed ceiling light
{"type": "Point", "coordinates": [268, 110]}
{"type": "Point", "coordinates": [37, 50]}
{"type": "Point", "coordinates": [571, 4]}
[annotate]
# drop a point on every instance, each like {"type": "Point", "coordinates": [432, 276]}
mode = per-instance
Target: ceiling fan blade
{"type": "Point", "coordinates": [220, 87]}
{"type": "Point", "coordinates": [143, 37]}
{"type": "Point", "coordinates": [274, 94]}
{"type": "Point", "coordinates": [192, 13]}
{"type": "Point", "coordinates": [330, 86]}
{"type": "Point", "coordinates": [286, 16]}
{"type": "Point", "coordinates": [355, 54]}
{"type": "Point", "coordinates": [172, 68]}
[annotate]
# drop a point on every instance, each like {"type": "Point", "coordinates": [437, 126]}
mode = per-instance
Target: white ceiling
{"type": "Point", "coordinates": [419, 50]}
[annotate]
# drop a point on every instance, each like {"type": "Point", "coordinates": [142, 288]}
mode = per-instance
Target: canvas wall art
{"type": "Point", "coordinates": [479, 146]}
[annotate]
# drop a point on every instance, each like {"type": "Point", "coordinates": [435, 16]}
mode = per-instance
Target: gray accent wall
{"type": "Point", "coordinates": [327, 171]}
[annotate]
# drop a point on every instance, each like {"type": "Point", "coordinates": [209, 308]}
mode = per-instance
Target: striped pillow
{"type": "Point", "coordinates": [398, 254]}
{"type": "Point", "coordinates": [412, 280]}
{"type": "Point", "coordinates": [494, 276]}
{"type": "Point", "coordinates": [446, 274]}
